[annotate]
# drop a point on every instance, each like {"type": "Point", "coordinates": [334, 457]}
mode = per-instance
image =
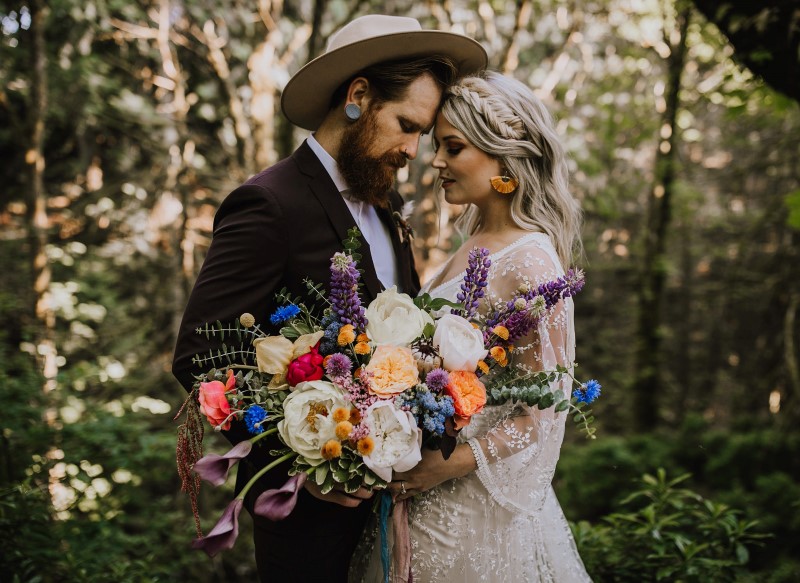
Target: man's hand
{"type": "Point", "coordinates": [338, 495]}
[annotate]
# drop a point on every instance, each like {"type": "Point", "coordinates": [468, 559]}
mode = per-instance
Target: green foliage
{"type": "Point", "coordinates": [793, 204]}
{"type": "Point", "coordinates": [667, 533]}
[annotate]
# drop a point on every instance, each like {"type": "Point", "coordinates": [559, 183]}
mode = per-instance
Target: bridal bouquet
{"type": "Point", "coordinates": [353, 393]}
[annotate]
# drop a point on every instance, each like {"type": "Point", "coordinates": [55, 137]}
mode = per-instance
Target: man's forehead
{"type": "Point", "coordinates": [420, 104]}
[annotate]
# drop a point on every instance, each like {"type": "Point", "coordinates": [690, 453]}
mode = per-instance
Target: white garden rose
{"type": "Point", "coordinates": [392, 318]}
{"type": "Point", "coordinates": [398, 440]}
{"type": "Point", "coordinates": [308, 423]}
{"type": "Point", "coordinates": [459, 343]}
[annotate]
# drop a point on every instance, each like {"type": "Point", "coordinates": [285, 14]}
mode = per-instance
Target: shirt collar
{"type": "Point", "coordinates": [328, 162]}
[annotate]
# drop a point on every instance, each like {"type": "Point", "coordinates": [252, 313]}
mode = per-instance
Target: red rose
{"type": "Point", "coordinates": [307, 367]}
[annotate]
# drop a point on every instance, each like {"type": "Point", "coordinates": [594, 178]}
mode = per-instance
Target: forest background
{"type": "Point", "coordinates": [124, 124]}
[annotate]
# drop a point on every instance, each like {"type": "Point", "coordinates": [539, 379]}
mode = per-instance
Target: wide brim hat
{"type": "Point", "coordinates": [366, 41]}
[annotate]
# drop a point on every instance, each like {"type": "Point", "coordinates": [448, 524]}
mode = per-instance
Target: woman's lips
{"type": "Point", "coordinates": [446, 182]}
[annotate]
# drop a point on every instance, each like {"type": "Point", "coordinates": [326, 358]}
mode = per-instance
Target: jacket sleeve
{"type": "Point", "coordinates": [241, 272]}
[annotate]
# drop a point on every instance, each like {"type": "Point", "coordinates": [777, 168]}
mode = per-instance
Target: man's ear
{"type": "Point", "coordinates": [358, 93]}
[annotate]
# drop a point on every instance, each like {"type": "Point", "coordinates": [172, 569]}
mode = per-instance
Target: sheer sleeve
{"type": "Point", "coordinates": [517, 447]}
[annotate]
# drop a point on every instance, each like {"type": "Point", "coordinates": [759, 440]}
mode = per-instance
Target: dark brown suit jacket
{"type": "Point", "coordinates": [281, 226]}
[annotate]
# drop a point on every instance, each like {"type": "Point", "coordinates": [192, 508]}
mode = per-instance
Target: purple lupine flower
{"type": "Point", "coordinates": [475, 280]}
{"type": "Point", "coordinates": [224, 533]}
{"type": "Point", "coordinates": [437, 380]}
{"type": "Point", "coordinates": [214, 468]}
{"type": "Point", "coordinates": [344, 292]}
{"type": "Point", "coordinates": [524, 310]}
{"type": "Point", "coordinates": [278, 503]}
{"type": "Point", "coordinates": [563, 287]}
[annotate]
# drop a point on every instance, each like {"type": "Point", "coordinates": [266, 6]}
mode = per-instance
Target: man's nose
{"type": "Point", "coordinates": [410, 149]}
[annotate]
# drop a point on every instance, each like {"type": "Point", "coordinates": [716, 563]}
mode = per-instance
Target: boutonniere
{"type": "Point", "coordinates": [402, 223]}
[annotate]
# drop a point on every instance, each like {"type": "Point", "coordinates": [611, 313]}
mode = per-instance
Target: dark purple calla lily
{"type": "Point", "coordinates": [278, 504]}
{"type": "Point", "coordinates": [214, 468]}
{"type": "Point", "coordinates": [224, 533]}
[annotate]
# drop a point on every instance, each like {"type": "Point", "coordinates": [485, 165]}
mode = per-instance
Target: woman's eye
{"type": "Point", "coordinates": [454, 151]}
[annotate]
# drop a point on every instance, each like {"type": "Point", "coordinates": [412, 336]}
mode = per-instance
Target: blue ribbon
{"type": "Point", "coordinates": [383, 526]}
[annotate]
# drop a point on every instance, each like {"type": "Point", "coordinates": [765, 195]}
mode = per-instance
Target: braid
{"type": "Point", "coordinates": [476, 92]}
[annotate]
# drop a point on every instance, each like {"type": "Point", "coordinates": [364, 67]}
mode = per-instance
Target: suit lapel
{"type": "Point", "coordinates": [325, 191]}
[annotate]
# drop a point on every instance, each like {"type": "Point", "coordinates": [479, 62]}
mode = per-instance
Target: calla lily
{"type": "Point", "coordinates": [214, 468]}
{"type": "Point", "coordinates": [224, 533]}
{"type": "Point", "coordinates": [278, 503]}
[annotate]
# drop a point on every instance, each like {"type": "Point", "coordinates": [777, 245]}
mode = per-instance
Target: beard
{"type": "Point", "coordinates": [369, 177]}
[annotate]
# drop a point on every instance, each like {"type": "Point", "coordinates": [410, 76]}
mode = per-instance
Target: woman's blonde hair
{"type": "Point", "coordinates": [503, 118]}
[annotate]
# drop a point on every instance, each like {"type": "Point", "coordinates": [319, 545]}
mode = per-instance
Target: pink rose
{"type": "Point", "coordinates": [307, 367]}
{"type": "Point", "coordinates": [214, 401]}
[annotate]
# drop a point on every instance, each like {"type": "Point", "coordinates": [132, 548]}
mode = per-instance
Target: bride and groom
{"type": "Point", "coordinates": [488, 513]}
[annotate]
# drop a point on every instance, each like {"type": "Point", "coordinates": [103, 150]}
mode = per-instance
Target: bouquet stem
{"type": "Point", "coordinates": [263, 471]}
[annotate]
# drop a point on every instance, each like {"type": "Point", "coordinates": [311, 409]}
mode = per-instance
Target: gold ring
{"type": "Point", "coordinates": [403, 488]}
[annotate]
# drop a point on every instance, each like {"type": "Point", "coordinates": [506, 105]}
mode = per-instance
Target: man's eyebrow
{"type": "Point", "coordinates": [414, 126]}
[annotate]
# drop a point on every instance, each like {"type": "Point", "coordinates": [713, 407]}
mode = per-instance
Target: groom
{"type": "Point", "coordinates": [367, 100]}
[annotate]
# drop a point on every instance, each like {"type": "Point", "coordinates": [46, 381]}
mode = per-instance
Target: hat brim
{"type": "Point", "coordinates": [306, 98]}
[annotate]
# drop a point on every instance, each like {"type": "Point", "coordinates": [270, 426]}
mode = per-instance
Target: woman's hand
{"type": "Point", "coordinates": [432, 471]}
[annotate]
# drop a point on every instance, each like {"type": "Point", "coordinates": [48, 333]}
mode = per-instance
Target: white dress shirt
{"type": "Point", "coordinates": [366, 218]}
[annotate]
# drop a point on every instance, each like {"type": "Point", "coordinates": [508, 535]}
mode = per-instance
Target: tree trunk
{"type": "Point", "coordinates": [648, 381]}
{"type": "Point", "coordinates": [36, 205]}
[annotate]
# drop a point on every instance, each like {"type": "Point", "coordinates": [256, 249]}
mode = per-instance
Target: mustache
{"type": "Point", "coordinates": [395, 159]}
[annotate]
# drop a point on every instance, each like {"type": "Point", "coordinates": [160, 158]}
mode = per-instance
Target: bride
{"type": "Point", "coordinates": [489, 512]}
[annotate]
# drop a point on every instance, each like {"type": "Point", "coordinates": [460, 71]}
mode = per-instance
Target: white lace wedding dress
{"type": "Point", "coordinates": [503, 523]}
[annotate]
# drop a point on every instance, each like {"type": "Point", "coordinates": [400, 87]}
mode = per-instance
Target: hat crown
{"type": "Point", "coordinates": [371, 26]}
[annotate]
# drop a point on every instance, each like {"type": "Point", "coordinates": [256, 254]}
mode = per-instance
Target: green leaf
{"type": "Point", "coordinates": [321, 474]}
{"type": "Point", "coordinates": [793, 204]}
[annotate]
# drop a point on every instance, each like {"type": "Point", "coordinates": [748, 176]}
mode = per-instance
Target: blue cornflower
{"type": "Point", "coordinates": [254, 419]}
{"type": "Point", "coordinates": [588, 392]}
{"type": "Point", "coordinates": [284, 313]}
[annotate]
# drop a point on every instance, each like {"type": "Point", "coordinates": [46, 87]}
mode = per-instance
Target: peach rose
{"type": "Point", "coordinates": [468, 393]}
{"type": "Point", "coordinates": [393, 370]}
{"type": "Point", "coordinates": [214, 401]}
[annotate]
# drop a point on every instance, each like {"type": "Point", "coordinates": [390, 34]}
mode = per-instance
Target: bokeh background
{"type": "Point", "coordinates": [124, 124]}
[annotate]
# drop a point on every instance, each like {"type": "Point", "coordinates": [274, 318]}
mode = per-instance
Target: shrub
{"type": "Point", "coordinates": [667, 533]}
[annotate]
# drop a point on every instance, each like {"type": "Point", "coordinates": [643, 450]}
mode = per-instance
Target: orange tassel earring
{"type": "Point", "coordinates": [504, 184]}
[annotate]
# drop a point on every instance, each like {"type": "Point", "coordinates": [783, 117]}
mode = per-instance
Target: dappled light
{"type": "Point", "coordinates": [124, 125]}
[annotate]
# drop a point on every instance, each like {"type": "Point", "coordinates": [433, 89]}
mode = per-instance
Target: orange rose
{"type": "Point", "coordinates": [393, 370]}
{"type": "Point", "coordinates": [468, 393]}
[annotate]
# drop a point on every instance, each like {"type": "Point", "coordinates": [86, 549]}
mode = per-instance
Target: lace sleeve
{"type": "Point", "coordinates": [517, 447]}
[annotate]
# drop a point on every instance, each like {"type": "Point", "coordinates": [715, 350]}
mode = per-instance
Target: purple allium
{"type": "Point", "coordinates": [437, 380]}
{"type": "Point", "coordinates": [475, 281]}
{"type": "Point", "coordinates": [339, 365]}
{"type": "Point", "coordinates": [588, 392]}
{"type": "Point", "coordinates": [344, 297]}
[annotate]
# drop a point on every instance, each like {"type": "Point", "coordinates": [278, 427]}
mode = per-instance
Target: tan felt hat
{"type": "Point", "coordinates": [365, 41]}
